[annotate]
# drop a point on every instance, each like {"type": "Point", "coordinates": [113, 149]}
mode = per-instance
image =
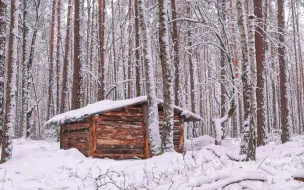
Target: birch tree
{"type": "Point", "coordinates": [153, 120]}
{"type": "Point", "coordinates": [3, 6]}
{"type": "Point", "coordinates": [10, 102]}
{"type": "Point", "coordinates": [168, 112]}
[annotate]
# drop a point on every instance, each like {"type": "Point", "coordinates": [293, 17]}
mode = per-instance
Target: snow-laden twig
{"type": "Point", "coordinates": [221, 184]}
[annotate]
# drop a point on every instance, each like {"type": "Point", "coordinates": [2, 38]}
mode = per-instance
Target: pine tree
{"type": "Point", "coordinates": [64, 87]}
{"type": "Point", "coordinates": [260, 63]}
{"type": "Point", "coordinates": [285, 112]}
{"type": "Point", "coordinates": [51, 59]}
{"type": "Point", "coordinates": [77, 72]}
{"type": "Point", "coordinates": [10, 102]}
{"type": "Point", "coordinates": [101, 29]}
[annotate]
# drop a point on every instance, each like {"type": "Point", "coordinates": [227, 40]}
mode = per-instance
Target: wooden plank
{"type": "Point", "coordinates": [119, 142]}
{"type": "Point", "coordinates": [120, 118]}
{"type": "Point", "coordinates": [182, 139]}
{"type": "Point", "coordinates": [122, 151]}
{"type": "Point", "coordinates": [119, 156]}
{"type": "Point", "coordinates": [121, 146]}
{"type": "Point", "coordinates": [105, 122]}
{"type": "Point", "coordinates": [145, 126]}
{"type": "Point", "coordinates": [92, 136]}
{"type": "Point", "coordinates": [299, 179]}
{"type": "Point", "coordinates": [123, 113]}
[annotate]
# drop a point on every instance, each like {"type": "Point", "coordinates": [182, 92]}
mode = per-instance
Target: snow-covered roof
{"type": "Point", "coordinates": [108, 105]}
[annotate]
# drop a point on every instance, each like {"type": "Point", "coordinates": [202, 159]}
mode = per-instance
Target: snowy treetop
{"type": "Point", "coordinates": [108, 105]}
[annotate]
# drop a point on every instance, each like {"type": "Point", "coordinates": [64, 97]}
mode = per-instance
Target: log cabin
{"type": "Point", "coordinates": [115, 129]}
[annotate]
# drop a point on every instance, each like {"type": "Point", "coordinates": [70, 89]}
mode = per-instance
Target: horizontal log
{"type": "Point", "coordinates": [119, 156]}
{"type": "Point", "coordinates": [133, 123]}
{"type": "Point", "coordinates": [110, 136]}
{"type": "Point", "coordinates": [138, 108]}
{"type": "Point", "coordinates": [299, 179]}
{"type": "Point", "coordinates": [120, 131]}
{"type": "Point", "coordinates": [76, 130]}
{"type": "Point", "coordinates": [127, 147]}
{"type": "Point", "coordinates": [75, 126]}
{"type": "Point", "coordinates": [119, 118]}
{"type": "Point", "coordinates": [123, 113]}
{"type": "Point", "coordinates": [119, 126]}
{"type": "Point", "coordinates": [120, 151]}
{"type": "Point", "coordinates": [119, 142]}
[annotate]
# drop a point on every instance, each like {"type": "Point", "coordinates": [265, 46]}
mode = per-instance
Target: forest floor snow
{"type": "Point", "coordinates": [42, 165]}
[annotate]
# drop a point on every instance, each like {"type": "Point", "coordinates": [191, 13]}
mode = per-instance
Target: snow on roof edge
{"type": "Point", "coordinates": [107, 105]}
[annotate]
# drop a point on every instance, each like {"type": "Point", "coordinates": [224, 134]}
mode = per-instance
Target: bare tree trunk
{"type": "Point", "coordinates": [28, 125]}
{"type": "Point", "coordinates": [153, 120]}
{"type": "Point", "coordinates": [10, 102]}
{"type": "Point", "coordinates": [129, 49]}
{"type": "Point", "coordinates": [3, 6]}
{"type": "Point", "coordinates": [101, 69]}
{"type": "Point", "coordinates": [77, 73]}
{"type": "Point", "coordinates": [51, 58]}
{"type": "Point", "coordinates": [137, 57]}
{"type": "Point", "coordinates": [285, 112]}
{"type": "Point", "coordinates": [24, 95]}
{"type": "Point", "coordinates": [175, 41]}
{"type": "Point", "coordinates": [114, 52]}
{"type": "Point", "coordinates": [58, 56]}
{"type": "Point", "coordinates": [260, 61]}
{"type": "Point", "coordinates": [247, 86]}
{"type": "Point", "coordinates": [64, 87]}
{"type": "Point", "coordinates": [168, 112]}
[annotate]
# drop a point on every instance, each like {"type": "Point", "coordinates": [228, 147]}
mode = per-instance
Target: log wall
{"type": "Point", "coordinates": [75, 135]}
{"type": "Point", "coordinates": [118, 134]}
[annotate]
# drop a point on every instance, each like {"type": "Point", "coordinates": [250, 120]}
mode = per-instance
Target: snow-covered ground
{"type": "Point", "coordinates": [42, 165]}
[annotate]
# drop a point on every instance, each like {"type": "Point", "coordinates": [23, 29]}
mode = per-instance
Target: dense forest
{"type": "Point", "coordinates": [238, 64]}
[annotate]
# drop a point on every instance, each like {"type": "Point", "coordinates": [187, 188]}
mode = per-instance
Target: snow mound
{"type": "Point", "coordinates": [198, 143]}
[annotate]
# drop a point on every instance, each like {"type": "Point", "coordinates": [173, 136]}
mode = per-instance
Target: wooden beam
{"type": "Point", "coordinates": [299, 179]}
{"type": "Point", "coordinates": [92, 136]}
{"type": "Point", "coordinates": [145, 126]}
{"type": "Point", "coordinates": [61, 135]}
{"type": "Point", "coordinates": [181, 138]}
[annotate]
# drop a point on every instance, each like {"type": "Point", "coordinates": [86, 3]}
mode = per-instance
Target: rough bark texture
{"type": "Point", "coordinates": [28, 125]}
{"type": "Point", "coordinates": [260, 64]}
{"type": "Point", "coordinates": [285, 120]}
{"type": "Point", "coordinates": [25, 73]}
{"type": "Point", "coordinates": [3, 6]}
{"type": "Point", "coordinates": [51, 58]}
{"type": "Point", "coordinates": [64, 87]}
{"type": "Point", "coordinates": [137, 57]}
{"type": "Point", "coordinates": [10, 103]}
{"type": "Point", "coordinates": [252, 143]}
{"type": "Point", "coordinates": [175, 42]}
{"type": "Point", "coordinates": [245, 76]}
{"type": "Point", "coordinates": [58, 56]}
{"type": "Point", "coordinates": [153, 120]}
{"type": "Point", "coordinates": [77, 73]}
{"type": "Point", "coordinates": [101, 78]}
{"type": "Point", "coordinates": [167, 77]}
